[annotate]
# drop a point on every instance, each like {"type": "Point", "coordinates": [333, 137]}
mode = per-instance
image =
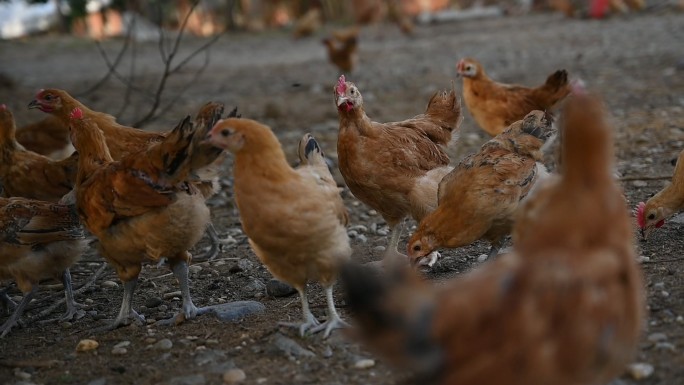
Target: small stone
{"type": "Point", "coordinates": [657, 337]}
{"type": "Point", "coordinates": [171, 295]}
{"type": "Point", "coordinates": [327, 352]}
{"type": "Point", "coordinates": [361, 238]}
{"type": "Point", "coordinates": [639, 183]}
{"type": "Point", "coordinates": [233, 376]}
{"type": "Point", "coordinates": [195, 379]}
{"type": "Point", "coordinates": [212, 342]}
{"type": "Point", "coordinates": [66, 325]}
{"type": "Point", "coordinates": [352, 233]}
{"type": "Point", "coordinates": [670, 347]}
{"type": "Point", "coordinates": [290, 347]}
{"type": "Point", "coordinates": [86, 345]}
{"type": "Point", "coordinates": [22, 375]}
{"type": "Point", "coordinates": [254, 285]}
{"type": "Point", "coordinates": [195, 269]}
{"type": "Point", "coordinates": [659, 285]}
{"type": "Point", "coordinates": [150, 340]}
{"type": "Point", "coordinates": [119, 351]}
{"type": "Point", "coordinates": [364, 363]}
{"type": "Point", "coordinates": [276, 288]}
{"type": "Point", "coordinates": [109, 284]}
{"type": "Point", "coordinates": [382, 232]}
{"type": "Point", "coordinates": [245, 264]}
{"type": "Point", "coordinates": [680, 319]}
{"type": "Point", "coordinates": [372, 212]}
{"type": "Point", "coordinates": [482, 257]}
{"type": "Point", "coordinates": [640, 370]}
{"type": "Point", "coordinates": [379, 248]}
{"type": "Point", "coordinates": [643, 259]}
{"type": "Point", "coordinates": [664, 294]}
{"type": "Point", "coordinates": [233, 311]}
{"type": "Point", "coordinates": [359, 229]}
{"type": "Point", "coordinates": [123, 344]}
{"type": "Point", "coordinates": [153, 302]}
{"type": "Point", "coordinates": [164, 344]}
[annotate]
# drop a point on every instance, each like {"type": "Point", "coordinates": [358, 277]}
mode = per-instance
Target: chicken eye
{"type": "Point", "coordinates": [47, 97]}
{"type": "Point", "coordinates": [225, 133]}
{"type": "Point", "coordinates": [416, 248]}
{"type": "Point", "coordinates": [352, 91]}
{"type": "Point", "coordinates": [651, 216]}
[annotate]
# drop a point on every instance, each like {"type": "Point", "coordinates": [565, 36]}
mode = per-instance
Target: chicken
{"type": "Point", "coordinates": [24, 173]}
{"type": "Point", "coordinates": [49, 137]}
{"type": "Point", "coordinates": [667, 202]}
{"type": "Point", "coordinates": [495, 106]}
{"type": "Point", "coordinates": [309, 240]}
{"type": "Point", "coordinates": [566, 307]}
{"type": "Point", "coordinates": [39, 240]}
{"type": "Point", "coordinates": [477, 200]}
{"type": "Point", "coordinates": [123, 141]}
{"type": "Point", "coordinates": [395, 168]}
{"type": "Point", "coordinates": [140, 207]}
{"type": "Point", "coordinates": [342, 49]}
{"type": "Point", "coordinates": [308, 23]}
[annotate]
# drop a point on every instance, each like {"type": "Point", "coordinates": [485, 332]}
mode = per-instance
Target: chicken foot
{"type": "Point", "coordinates": [126, 312]}
{"type": "Point", "coordinates": [180, 271]}
{"type": "Point", "coordinates": [13, 320]}
{"type": "Point", "coordinates": [392, 254]}
{"type": "Point", "coordinates": [7, 304]}
{"type": "Point", "coordinates": [215, 244]}
{"type": "Point", "coordinates": [309, 320]}
{"type": "Point", "coordinates": [334, 321]}
{"type": "Point", "coordinates": [74, 309]}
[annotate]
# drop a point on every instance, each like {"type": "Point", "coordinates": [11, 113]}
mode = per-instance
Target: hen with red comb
{"type": "Point", "coordinates": [666, 203]}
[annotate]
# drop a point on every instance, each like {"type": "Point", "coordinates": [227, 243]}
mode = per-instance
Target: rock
{"type": "Point", "coordinates": [195, 269]}
{"type": "Point", "coordinates": [232, 311]}
{"type": "Point", "coordinates": [327, 352]}
{"type": "Point", "coordinates": [254, 285]}
{"type": "Point", "coordinates": [22, 375]}
{"type": "Point", "coordinates": [379, 248]}
{"type": "Point", "coordinates": [164, 344]}
{"type": "Point", "coordinates": [195, 379]}
{"type": "Point", "coordinates": [245, 264]}
{"type": "Point", "coordinates": [153, 302]}
{"type": "Point", "coordinates": [668, 346]}
{"type": "Point", "coordinates": [640, 370]}
{"type": "Point", "coordinates": [359, 229]}
{"type": "Point", "coordinates": [659, 285]}
{"type": "Point", "coordinates": [276, 288]}
{"type": "Point", "coordinates": [639, 183]}
{"type": "Point", "coordinates": [664, 293]}
{"type": "Point", "coordinates": [361, 238]}
{"type": "Point", "coordinates": [657, 337]}
{"type": "Point", "coordinates": [372, 212]}
{"type": "Point", "coordinates": [123, 344]}
{"type": "Point", "coordinates": [109, 284]}
{"type": "Point", "coordinates": [87, 345]}
{"type": "Point", "coordinates": [233, 376]}
{"type": "Point", "coordinates": [119, 351]}
{"type": "Point", "coordinates": [364, 363]}
{"type": "Point", "coordinates": [172, 294]}
{"type": "Point", "coordinates": [290, 347]}
{"type": "Point", "coordinates": [482, 257]}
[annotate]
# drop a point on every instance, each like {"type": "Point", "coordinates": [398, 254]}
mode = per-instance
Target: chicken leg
{"type": "Point", "coordinates": [309, 320]}
{"type": "Point", "coordinates": [392, 254]}
{"type": "Point", "coordinates": [7, 304]}
{"type": "Point", "coordinates": [18, 311]}
{"type": "Point", "coordinates": [215, 244]}
{"type": "Point", "coordinates": [126, 312]}
{"type": "Point", "coordinates": [334, 321]}
{"type": "Point", "coordinates": [180, 270]}
{"type": "Point", "coordinates": [73, 307]}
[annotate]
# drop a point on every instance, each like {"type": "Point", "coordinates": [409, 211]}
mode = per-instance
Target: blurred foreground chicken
{"type": "Point", "coordinates": [123, 141]}
{"type": "Point", "coordinates": [39, 240]}
{"type": "Point", "coordinates": [477, 200]}
{"type": "Point", "coordinates": [24, 173]}
{"type": "Point", "coordinates": [666, 203]}
{"type": "Point", "coordinates": [565, 308]}
{"type": "Point", "coordinates": [495, 106]}
{"type": "Point", "coordinates": [295, 218]}
{"type": "Point", "coordinates": [395, 168]}
{"type": "Point", "coordinates": [342, 48]}
{"type": "Point", "coordinates": [141, 207]}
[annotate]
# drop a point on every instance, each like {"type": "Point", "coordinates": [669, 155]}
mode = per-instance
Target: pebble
{"type": "Point", "coordinates": [639, 183]}
{"type": "Point", "coordinates": [98, 381]}
{"type": "Point", "coordinates": [361, 238]}
{"type": "Point", "coordinates": [172, 294]}
{"type": "Point", "coordinates": [482, 257]}
{"type": "Point", "coordinates": [659, 285]}
{"type": "Point", "coordinates": [164, 344]}
{"type": "Point", "coordinates": [372, 212]}
{"type": "Point", "coordinates": [153, 302]}
{"type": "Point", "coordinates": [664, 294]}
{"type": "Point", "coordinates": [290, 347]}
{"type": "Point", "coordinates": [276, 288]}
{"type": "Point", "coordinates": [379, 248]}
{"type": "Point", "coordinates": [327, 352]}
{"type": "Point", "coordinates": [642, 259]}
{"type": "Point", "coordinates": [254, 285]}
{"type": "Point", "coordinates": [119, 351]}
{"type": "Point", "coordinates": [680, 319]}
{"type": "Point", "coordinates": [364, 363]}
{"type": "Point", "coordinates": [670, 347]}
{"type": "Point", "coordinates": [22, 375]}
{"type": "Point", "coordinates": [640, 370]}
{"type": "Point", "coordinates": [195, 269]}
{"type": "Point", "coordinates": [245, 264]}
{"type": "Point", "coordinates": [382, 232]}
{"type": "Point", "coordinates": [657, 337]}
{"type": "Point", "coordinates": [233, 376]}
{"type": "Point", "coordinates": [359, 229]}
{"type": "Point", "coordinates": [86, 345]}
{"type": "Point", "coordinates": [109, 284]}
{"type": "Point", "coordinates": [123, 344]}
{"type": "Point", "coordinates": [150, 340]}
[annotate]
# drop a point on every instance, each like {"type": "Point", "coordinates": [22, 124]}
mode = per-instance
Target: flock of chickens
{"type": "Point", "coordinates": [571, 275]}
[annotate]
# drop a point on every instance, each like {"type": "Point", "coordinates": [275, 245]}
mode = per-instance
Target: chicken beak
{"type": "Point", "coordinates": [34, 104]}
{"type": "Point", "coordinates": [341, 100]}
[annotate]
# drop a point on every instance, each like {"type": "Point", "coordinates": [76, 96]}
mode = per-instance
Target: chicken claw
{"type": "Point", "coordinates": [309, 320]}
{"type": "Point", "coordinates": [126, 312]}
{"type": "Point", "coordinates": [13, 320]}
{"type": "Point", "coordinates": [334, 321]}
{"type": "Point", "coordinates": [215, 245]}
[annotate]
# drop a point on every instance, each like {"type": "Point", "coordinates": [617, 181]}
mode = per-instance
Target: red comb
{"type": "Point", "coordinates": [460, 65]}
{"type": "Point", "coordinates": [639, 211]}
{"type": "Point", "coordinates": [3, 107]}
{"type": "Point", "coordinates": [341, 85]}
{"type": "Point", "coordinates": [76, 113]}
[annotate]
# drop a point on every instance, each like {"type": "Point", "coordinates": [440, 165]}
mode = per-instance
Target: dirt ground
{"type": "Point", "coordinates": [635, 62]}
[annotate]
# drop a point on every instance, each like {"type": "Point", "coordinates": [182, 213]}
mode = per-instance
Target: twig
{"type": "Point", "coordinates": [645, 177]}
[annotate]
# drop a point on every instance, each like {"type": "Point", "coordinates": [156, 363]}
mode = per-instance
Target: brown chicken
{"type": "Point", "coordinates": [342, 48]}
{"type": "Point", "coordinates": [49, 137]}
{"type": "Point", "coordinates": [565, 308]}
{"type": "Point", "coordinates": [477, 200]}
{"type": "Point", "coordinates": [39, 240]}
{"type": "Point", "coordinates": [308, 23]}
{"type": "Point", "coordinates": [24, 173]}
{"type": "Point", "coordinates": [308, 241]}
{"type": "Point", "coordinates": [666, 203]}
{"type": "Point", "coordinates": [395, 168]}
{"type": "Point", "coordinates": [123, 141]}
{"type": "Point", "coordinates": [141, 207]}
{"type": "Point", "coordinates": [495, 106]}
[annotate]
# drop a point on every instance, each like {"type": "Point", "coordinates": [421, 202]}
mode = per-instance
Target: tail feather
{"type": "Point", "coordinates": [204, 154]}
{"type": "Point", "coordinates": [444, 108]}
{"type": "Point", "coordinates": [176, 150]}
{"type": "Point", "coordinates": [553, 90]}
